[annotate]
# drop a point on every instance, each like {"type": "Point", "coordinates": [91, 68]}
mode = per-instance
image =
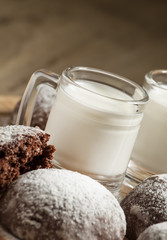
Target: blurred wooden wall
{"type": "Point", "coordinates": [125, 37]}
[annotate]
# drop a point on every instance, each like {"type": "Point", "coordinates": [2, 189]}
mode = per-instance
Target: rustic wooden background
{"type": "Point", "coordinates": [125, 37]}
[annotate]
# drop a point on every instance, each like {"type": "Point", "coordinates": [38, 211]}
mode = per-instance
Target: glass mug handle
{"type": "Point", "coordinates": [39, 77]}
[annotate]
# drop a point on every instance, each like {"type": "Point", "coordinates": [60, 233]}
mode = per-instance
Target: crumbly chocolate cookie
{"type": "Point", "coordinates": [146, 205]}
{"type": "Point", "coordinates": [56, 204]}
{"type": "Point", "coordinates": [22, 149]}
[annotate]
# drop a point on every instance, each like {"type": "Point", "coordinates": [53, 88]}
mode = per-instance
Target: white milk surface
{"type": "Point", "coordinates": [151, 145]}
{"type": "Point", "coordinates": [92, 133]}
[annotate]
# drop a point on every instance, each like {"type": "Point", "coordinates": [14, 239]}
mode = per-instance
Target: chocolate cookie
{"type": "Point", "coordinates": [146, 205]}
{"type": "Point", "coordinates": [22, 149]}
{"type": "Point", "coordinates": [58, 204]}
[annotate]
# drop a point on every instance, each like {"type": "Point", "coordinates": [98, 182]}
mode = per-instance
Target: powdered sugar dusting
{"type": "Point", "coordinates": [45, 97]}
{"type": "Point", "coordinates": [146, 204]}
{"type": "Point", "coordinates": [44, 102]}
{"type": "Point", "coordinates": [162, 176]}
{"type": "Point", "coordinates": [62, 204]}
{"type": "Point", "coordinates": [154, 232]}
{"type": "Point", "coordinates": [11, 132]}
{"type": "Point", "coordinates": [43, 106]}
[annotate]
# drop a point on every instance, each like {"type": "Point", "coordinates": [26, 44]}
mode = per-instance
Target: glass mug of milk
{"type": "Point", "coordinates": [149, 155]}
{"type": "Point", "coordinates": [93, 122]}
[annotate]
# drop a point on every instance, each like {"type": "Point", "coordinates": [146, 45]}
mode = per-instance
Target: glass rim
{"type": "Point", "coordinates": [149, 77]}
{"type": "Point", "coordinates": [143, 100]}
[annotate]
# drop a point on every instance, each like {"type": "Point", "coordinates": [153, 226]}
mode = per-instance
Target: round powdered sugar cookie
{"type": "Point", "coordinates": [155, 232]}
{"type": "Point", "coordinates": [59, 204]}
{"type": "Point", "coordinates": [146, 205]}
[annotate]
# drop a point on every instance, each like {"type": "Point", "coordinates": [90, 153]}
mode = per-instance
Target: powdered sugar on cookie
{"type": "Point", "coordinates": [60, 204]}
{"type": "Point", "coordinates": [11, 132]}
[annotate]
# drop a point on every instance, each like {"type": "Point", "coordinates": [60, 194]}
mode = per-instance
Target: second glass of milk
{"type": "Point", "coordinates": [93, 122]}
{"type": "Point", "coordinates": [150, 151]}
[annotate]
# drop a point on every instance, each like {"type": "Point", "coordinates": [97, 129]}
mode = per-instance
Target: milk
{"type": "Point", "coordinates": [92, 133]}
{"type": "Point", "coordinates": [151, 145]}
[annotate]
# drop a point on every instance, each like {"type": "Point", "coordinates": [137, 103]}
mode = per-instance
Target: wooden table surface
{"type": "Point", "coordinates": [125, 37]}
